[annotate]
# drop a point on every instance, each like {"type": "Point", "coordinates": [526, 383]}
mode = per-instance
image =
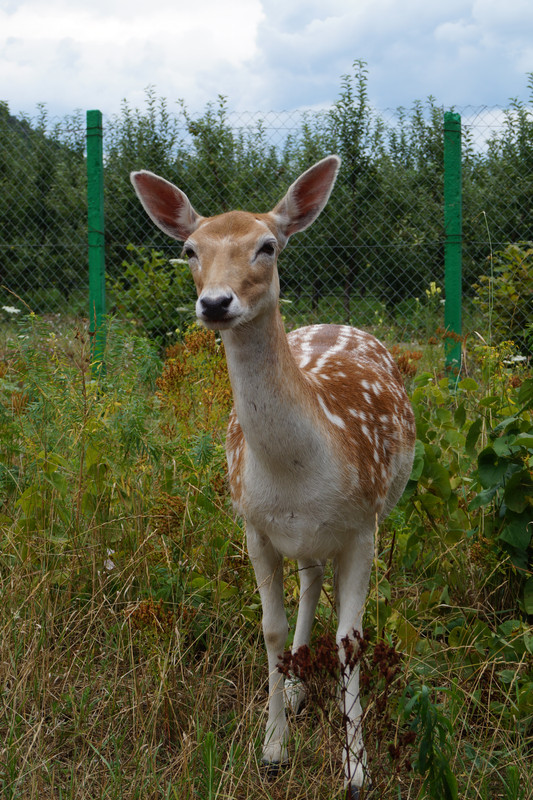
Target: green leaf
{"type": "Point", "coordinates": [507, 675]}
{"type": "Point", "coordinates": [58, 460]}
{"type": "Point", "coordinates": [483, 498]}
{"type": "Point", "coordinates": [509, 628]}
{"type": "Point", "coordinates": [30, 500]}
{"type": "Point", "coordinates": [528, 600]}
{"type": "Point", "coordinates": [491, 401]}
{"type": "Point", "coordinates": [502, 445]}
{"type": "Point", "coordinates": [423, 379]}
{"type": "Point", "coordinates": [460, 415]}
{"type": "Point", "coordinates": [94, 456]}
{"type": "Point", "coordinates": [439, 479]}
{"type": "Point", "coordinates": [468, 385]}
{"type": "Point", "coordinates": [491, 468]}
{"type": "Point", "coordinates": [203, 448]}
{"type": "Point", "coordinates": [454, 438]}
{"type": "Point", "coordinates": [59, 482]}
{"type": "Point", "coordinates": [457, 636]}
{"type": "Point", "coordinates": [431, 503]}
{"type": "Point", "coordinates": [518, 534]}
{"type": "Point", "coordinates": [505, 423]}
{"type": "Point", "coordinates": [518, 491]}
{"type": "Point", "coordinates": [525, 393]}
{"type": "Point", "coordinates": [524, 440]}
{"type": "Point", "coordinates": [444, 415]}
{"type": "Point", "coordinates": [418, 463]}
{"type": "Point", "coordinates": [473, 435]}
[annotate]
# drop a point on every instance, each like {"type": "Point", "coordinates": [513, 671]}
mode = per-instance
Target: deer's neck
{"type": "Point", "coordinates": [272, 399]}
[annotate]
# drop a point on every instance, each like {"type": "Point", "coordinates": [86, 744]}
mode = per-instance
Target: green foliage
{"type": "Point", "coordinates": [43, 207]}
{"type": "Point", "coordinates": [154, 290]}
{"type": "Point", "coordinates": [463, 492]}
{"type": "Point", "coordinates": [505, 476]}
{"type": "Point", "coordinates": [505, 297]}
{"type": "Point", "coordinates": [75, 453]}
{"type": "Point", "coordinates": [434, 732]}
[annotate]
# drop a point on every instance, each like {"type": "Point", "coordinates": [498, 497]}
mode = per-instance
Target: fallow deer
{"type": "Point", "coordinates": [320, 439]}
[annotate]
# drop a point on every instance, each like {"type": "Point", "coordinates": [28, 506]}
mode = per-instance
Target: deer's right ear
{"type": "Point", "coordinates": [166, 205]}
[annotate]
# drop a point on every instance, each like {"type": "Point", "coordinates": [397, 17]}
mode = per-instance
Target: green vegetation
{"type": "Point", "coordinates": [153, 290]}
{"type": "Point", "coordinates": [131, 660]}
{"type": "Point", "coordinates": [505, 295]}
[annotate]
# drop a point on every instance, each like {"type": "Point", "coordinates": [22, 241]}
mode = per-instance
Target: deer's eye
{"type": "Point", "coordinates": [189, 252]}
{"type": "Point", "coordinates": [266, 249]}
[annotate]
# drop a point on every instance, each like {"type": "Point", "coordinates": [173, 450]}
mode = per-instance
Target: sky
{"type": "Point", "coordinates": [263, 55]}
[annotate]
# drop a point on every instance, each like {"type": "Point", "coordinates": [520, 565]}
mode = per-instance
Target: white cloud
{"type": "Point", "coordinates": [262, 54]}
{"type": "Point", "coordinates": [69, 52]}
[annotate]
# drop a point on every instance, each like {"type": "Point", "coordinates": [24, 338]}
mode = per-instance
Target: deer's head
{"type": "Point", "coordinates": [233, 256]}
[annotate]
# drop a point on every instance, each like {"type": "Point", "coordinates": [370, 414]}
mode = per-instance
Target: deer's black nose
{"type": "Point", "coordinates": [215, 308]}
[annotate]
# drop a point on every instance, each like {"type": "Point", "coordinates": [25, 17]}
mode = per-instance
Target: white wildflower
{"type": "Point", "coordinates": [108, 563]}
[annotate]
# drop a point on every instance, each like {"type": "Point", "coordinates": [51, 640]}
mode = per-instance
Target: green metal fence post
{"type": "Point", "coordinates": [453, 240]}
{"type": "Point", "coordinates": [96, 237]}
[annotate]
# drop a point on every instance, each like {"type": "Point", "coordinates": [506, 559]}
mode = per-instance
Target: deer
{"type": "Point", "coordinates": [320, 439]}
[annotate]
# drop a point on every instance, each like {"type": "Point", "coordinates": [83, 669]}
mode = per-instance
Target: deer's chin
{"type": "Point", "coordinates": [224, 324]}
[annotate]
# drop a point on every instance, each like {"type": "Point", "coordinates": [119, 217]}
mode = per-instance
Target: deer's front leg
{"type": "Point", "coordinates": [268, 568]}
{"type": "Point", "coordinates": [311, 576]}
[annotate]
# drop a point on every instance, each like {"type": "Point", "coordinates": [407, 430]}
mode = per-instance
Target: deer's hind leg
{"type": "Point", "coordinates": [353, 574]}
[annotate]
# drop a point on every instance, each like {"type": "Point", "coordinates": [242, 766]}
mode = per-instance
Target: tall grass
{"type": "Point", "coordinates": [131, 660]}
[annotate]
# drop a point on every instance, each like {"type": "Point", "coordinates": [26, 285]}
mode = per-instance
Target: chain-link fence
{"type": "Point", "coordinates": [375, 257]}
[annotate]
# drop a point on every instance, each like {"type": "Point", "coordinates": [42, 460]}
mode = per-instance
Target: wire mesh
{"type": "Point", "coordinates": [374, 258]}
{"type": "Point", "coordinates": [43, 212]}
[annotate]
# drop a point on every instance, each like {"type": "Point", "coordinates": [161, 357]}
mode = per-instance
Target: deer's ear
{"type": "Point", "coordinates": [307, 196]}
{"type": "Point", "coordinates": [165, 204]}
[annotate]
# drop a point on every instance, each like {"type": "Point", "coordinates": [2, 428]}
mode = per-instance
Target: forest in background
{"type": "Point", "coordinates": [378, 246]}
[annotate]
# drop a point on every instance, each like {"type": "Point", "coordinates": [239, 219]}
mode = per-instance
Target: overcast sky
{"type": "Point", "coordinates": [262, 54]}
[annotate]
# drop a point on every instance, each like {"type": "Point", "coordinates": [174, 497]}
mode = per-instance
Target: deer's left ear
{"type": "Point", "coordinates": [307, 196]}
{"type": "Point", "coordinates": [166, 205]}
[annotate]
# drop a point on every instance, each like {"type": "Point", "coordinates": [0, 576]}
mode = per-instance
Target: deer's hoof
{"type": "Point", "coordinates": [357, 793]}
{"type": "Point", "coordinates": [273, 769]}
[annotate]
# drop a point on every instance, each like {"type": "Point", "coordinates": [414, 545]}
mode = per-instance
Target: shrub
{"type": "Point", "coordinates": [506, 295]}
{"type": "Point", "coordinates": [154, 290]}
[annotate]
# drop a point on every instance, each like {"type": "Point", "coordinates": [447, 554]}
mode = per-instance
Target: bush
{"type": "Point", "coordinates": [155, 291]}
{"type": "Point", "coordinates": [506, 295]}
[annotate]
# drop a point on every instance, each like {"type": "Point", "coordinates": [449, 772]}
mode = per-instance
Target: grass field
{"type": "Point", "coordinates": [131, 658]}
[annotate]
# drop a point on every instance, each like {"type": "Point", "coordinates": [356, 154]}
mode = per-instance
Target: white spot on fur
{"type": "Point", "coordinates": [366, 432]}
{"type": "Point", "coordinates": [336, 420]}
